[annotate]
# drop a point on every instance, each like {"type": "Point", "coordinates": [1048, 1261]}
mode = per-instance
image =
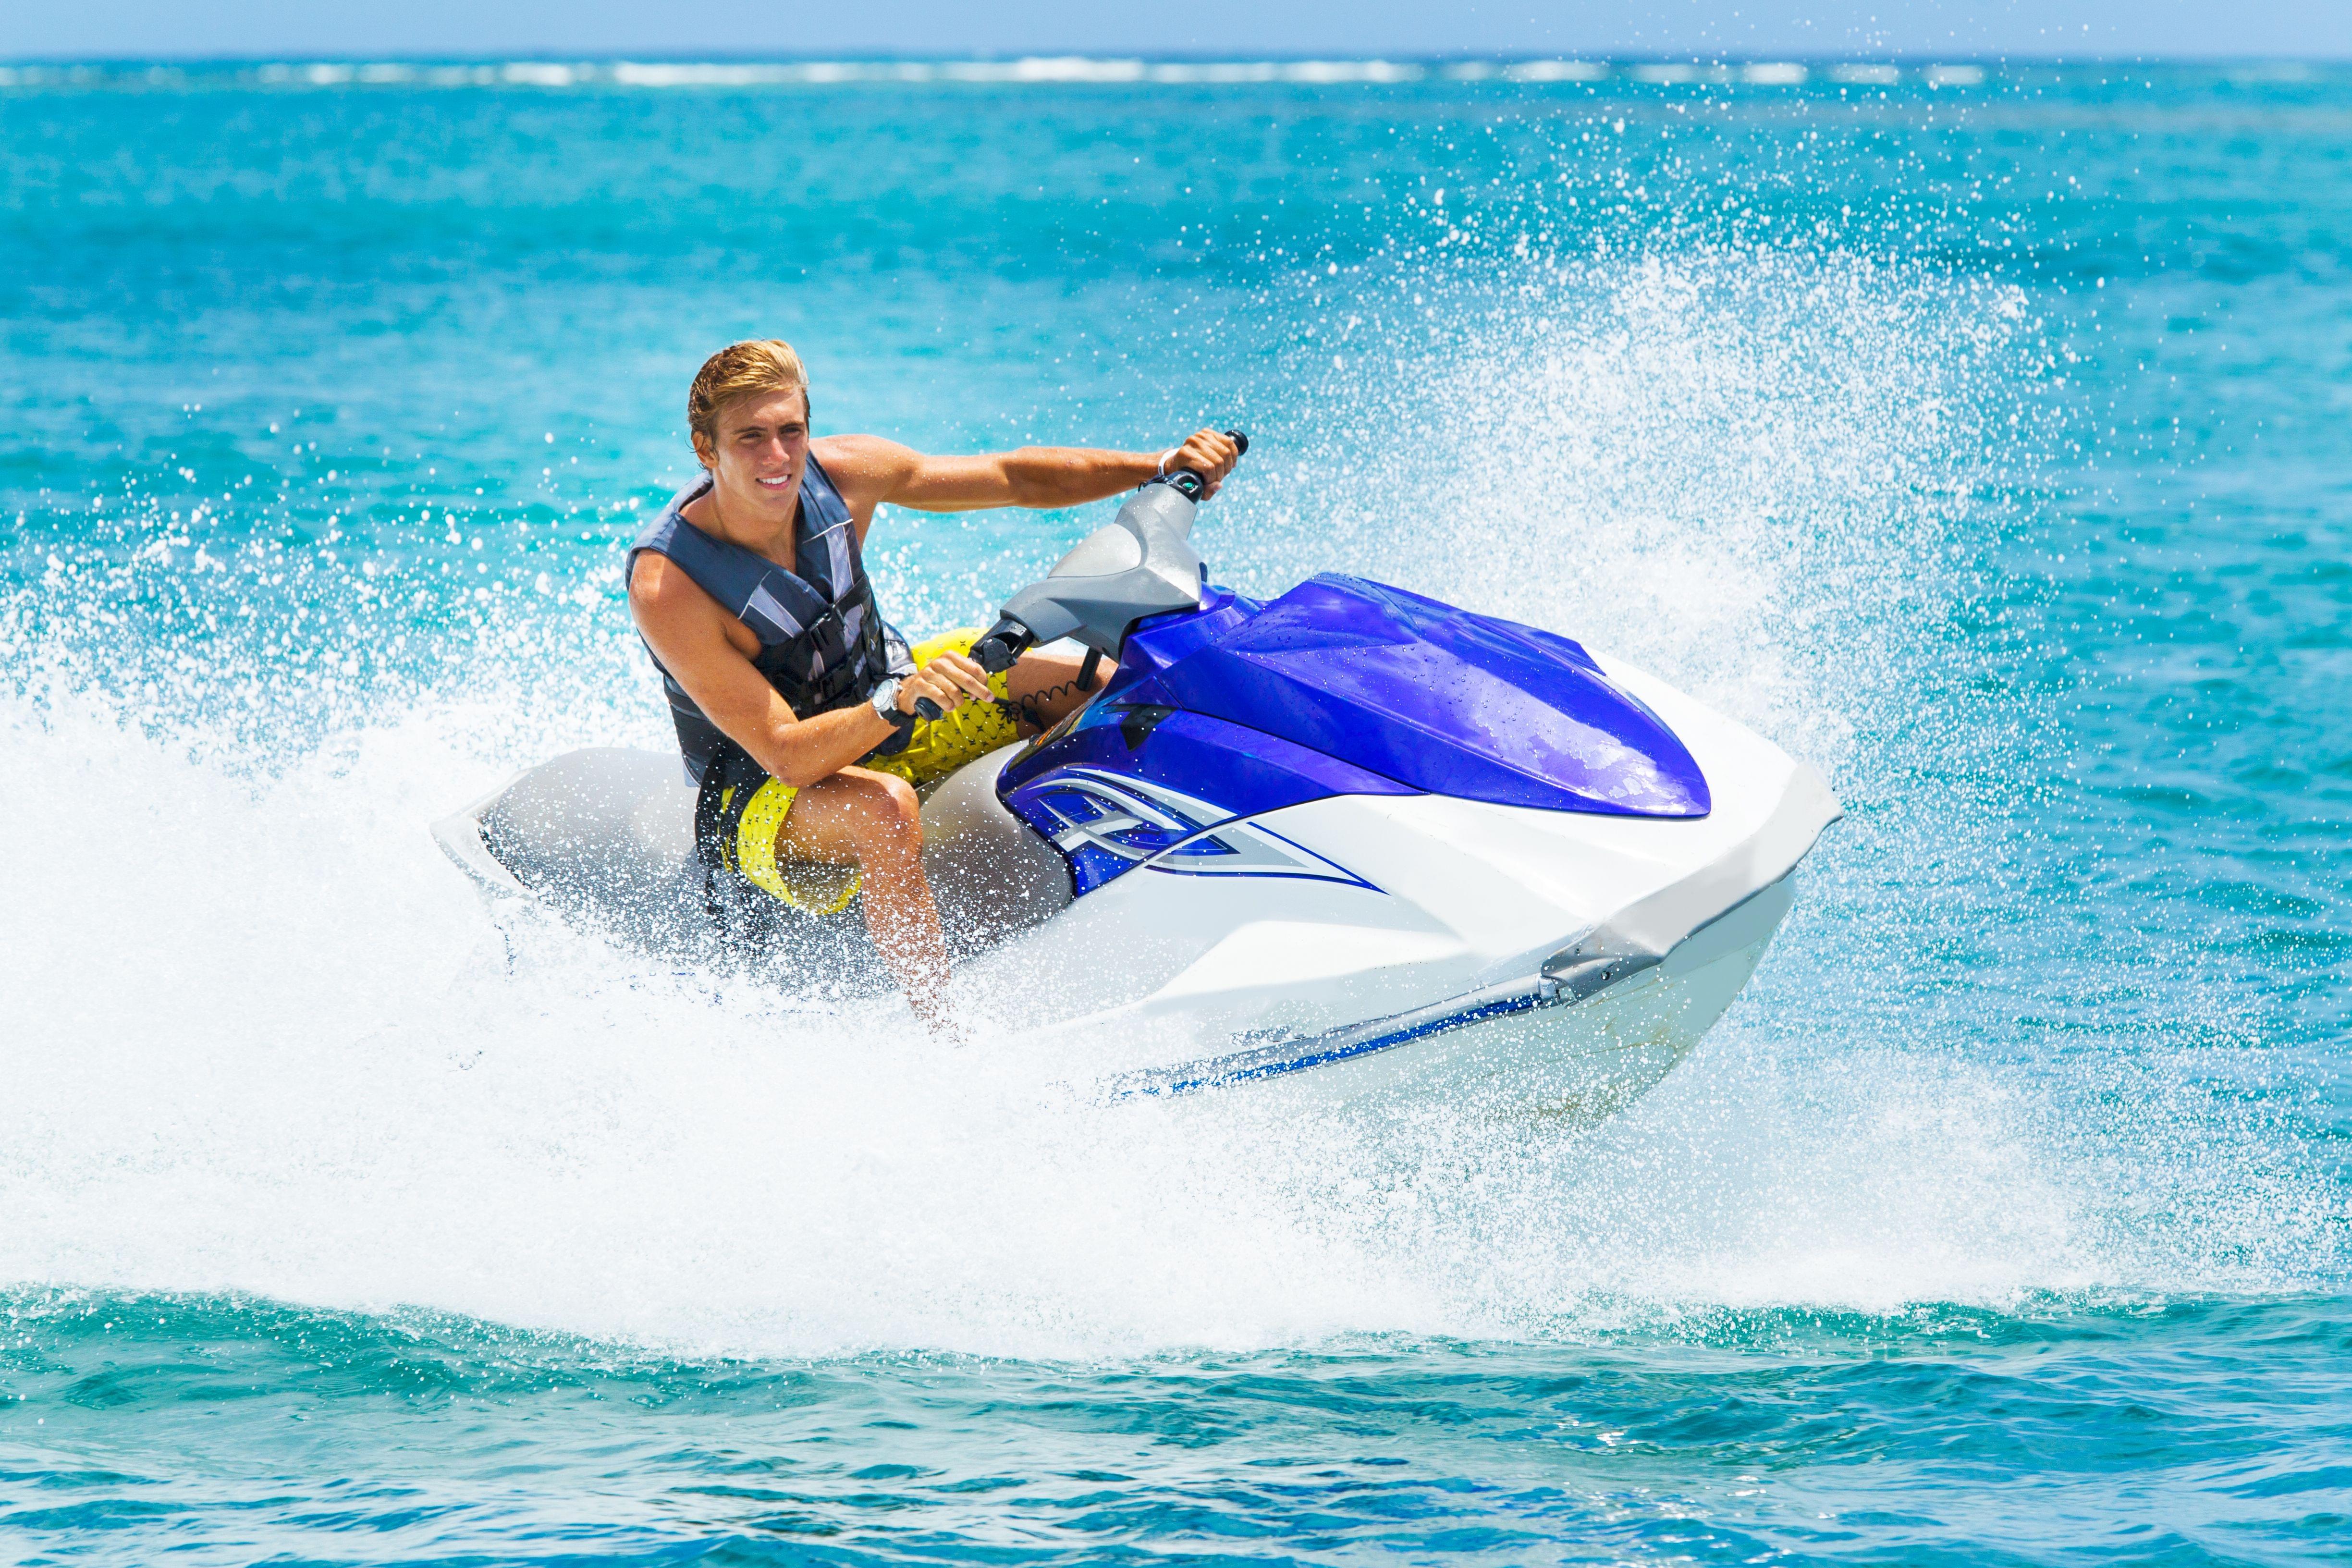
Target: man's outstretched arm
{"type": "Point", "coordinates": [871, 470]}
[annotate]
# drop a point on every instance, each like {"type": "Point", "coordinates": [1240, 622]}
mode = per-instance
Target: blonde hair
{"type": "Point", "coordinates": [756, 364]}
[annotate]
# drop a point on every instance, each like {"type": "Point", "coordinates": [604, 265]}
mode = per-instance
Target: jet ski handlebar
{"type": "Point", "coordinates": [1139, 564]}
{"type": "Point", "coordinates": [1190, 484]}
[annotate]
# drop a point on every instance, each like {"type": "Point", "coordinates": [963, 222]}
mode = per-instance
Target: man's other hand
{"type": "Point", "coordinates": [950, 680]}
{"type": "Point", "coordinates": [1208, 453]}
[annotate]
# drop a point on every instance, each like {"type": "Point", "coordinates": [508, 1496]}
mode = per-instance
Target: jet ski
{"type": "Point", "coordinates": [1348, 843]}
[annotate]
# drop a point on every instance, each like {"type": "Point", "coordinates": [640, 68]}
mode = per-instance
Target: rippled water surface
{"type": "Point", "coordinates": [1976, 435]}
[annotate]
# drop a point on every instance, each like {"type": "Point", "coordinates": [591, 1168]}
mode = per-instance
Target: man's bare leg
{"type": "Point", "coordinates": [872, 821]}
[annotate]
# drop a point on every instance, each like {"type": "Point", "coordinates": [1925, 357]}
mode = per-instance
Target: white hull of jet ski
{"type": "Point", "coordinates": [1356, 948]}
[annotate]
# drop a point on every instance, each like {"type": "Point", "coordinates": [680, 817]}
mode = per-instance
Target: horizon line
{"type": "Point", "coordinates": [1916, 59]}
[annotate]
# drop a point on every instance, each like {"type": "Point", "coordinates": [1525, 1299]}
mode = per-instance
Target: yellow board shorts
{"type": "Point", "coordinates": [935, 748]}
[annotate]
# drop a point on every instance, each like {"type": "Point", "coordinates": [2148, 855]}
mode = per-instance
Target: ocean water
{"type": "Point", "coordinates": [1977, 433]}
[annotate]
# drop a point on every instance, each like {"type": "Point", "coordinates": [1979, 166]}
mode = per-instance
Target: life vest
{"type": "Point", "coordinates": [822, 642]}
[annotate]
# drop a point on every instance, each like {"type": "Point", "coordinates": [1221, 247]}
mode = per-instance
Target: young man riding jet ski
{"type": "Point", "coordinates": [796, 704]}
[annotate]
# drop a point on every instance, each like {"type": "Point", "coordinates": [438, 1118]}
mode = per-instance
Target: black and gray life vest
{"type": "Point", "coordinates": [822, 642]}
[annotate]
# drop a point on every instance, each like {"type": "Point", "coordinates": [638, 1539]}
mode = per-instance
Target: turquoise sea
{"type": "Point", "coordinates": [1977, 432]}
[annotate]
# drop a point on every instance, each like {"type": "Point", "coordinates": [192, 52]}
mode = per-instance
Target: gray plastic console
{"type": "Point", "coordinates": [1139, 564]}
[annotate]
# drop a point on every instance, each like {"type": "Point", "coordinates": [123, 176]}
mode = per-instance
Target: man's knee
{"type": "Point", "coordinates": [891, 817]}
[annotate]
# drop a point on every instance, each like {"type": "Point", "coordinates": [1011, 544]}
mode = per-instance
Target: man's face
{"type": "Point", "coordinates": [761, 449]}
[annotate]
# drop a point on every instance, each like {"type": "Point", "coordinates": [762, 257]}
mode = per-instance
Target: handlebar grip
{"type": "Point", "coordinates": [994, 652]}
{"type": "Point", "coordinates": [1189, 484]}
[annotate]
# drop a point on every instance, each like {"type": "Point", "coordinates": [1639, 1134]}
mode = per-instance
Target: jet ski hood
{"type": "Point", "coordinates": [1436, 697]}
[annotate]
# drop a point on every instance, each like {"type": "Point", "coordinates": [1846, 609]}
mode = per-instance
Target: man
{"type": "Point", "coordinates": [794, 701]}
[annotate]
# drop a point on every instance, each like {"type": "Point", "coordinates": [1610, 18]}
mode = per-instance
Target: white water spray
{"type": "Point", "coordinates": [262, 1038]}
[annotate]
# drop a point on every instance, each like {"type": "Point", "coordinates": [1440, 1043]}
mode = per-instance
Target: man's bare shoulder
{"type": "Point", "coordinates": [863, 453]}
{"type": "Point", "coordinates": [659, 587]}
{"type": "Point", "coordinates": [867, 469]}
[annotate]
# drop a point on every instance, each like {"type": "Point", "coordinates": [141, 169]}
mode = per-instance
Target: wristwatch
{"type": "Point", "coordinates": [886, 703]}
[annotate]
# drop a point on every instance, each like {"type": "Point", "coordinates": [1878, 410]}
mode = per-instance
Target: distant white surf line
{"type": "Point", "coordinates": [1036, 69]}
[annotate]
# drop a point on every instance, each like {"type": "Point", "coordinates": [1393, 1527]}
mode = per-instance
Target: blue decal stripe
{"type": "Point", "coordinates": [1242, 1069]}
{"type": "Point", "coordinates": [1256, 826]}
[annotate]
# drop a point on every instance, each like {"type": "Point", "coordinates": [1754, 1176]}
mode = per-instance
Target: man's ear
{"type": "Point", "coordinates": [704, 452]}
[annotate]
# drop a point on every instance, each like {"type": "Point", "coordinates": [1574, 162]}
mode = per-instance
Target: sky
{"type": "Point", "coordinates": [280, 29]}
